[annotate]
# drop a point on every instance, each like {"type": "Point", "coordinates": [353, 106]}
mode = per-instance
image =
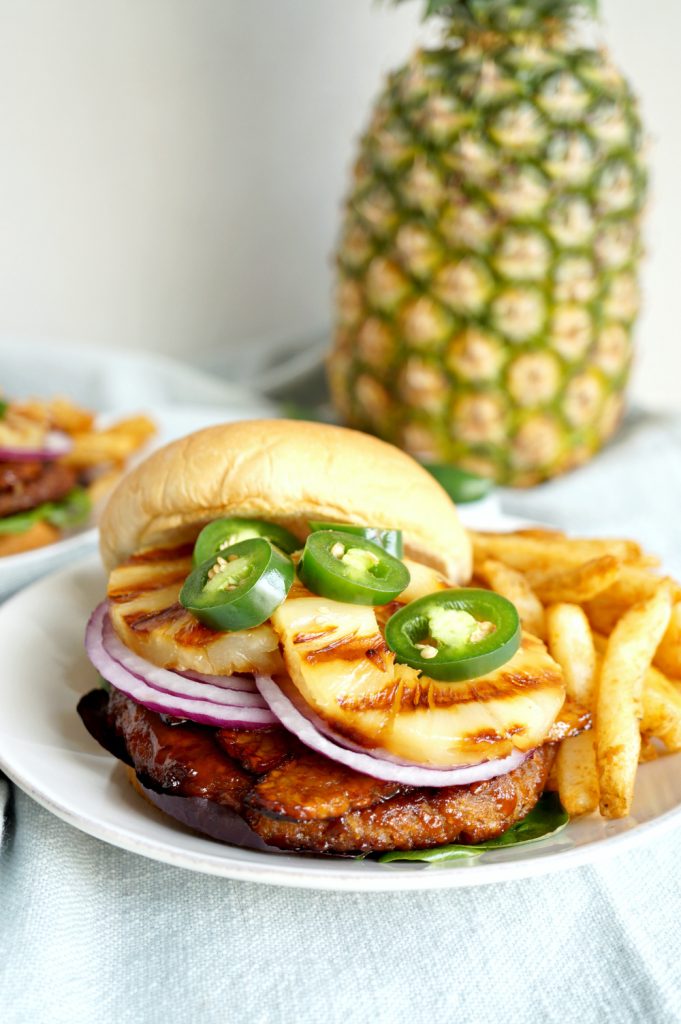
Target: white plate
{"type": "Point", "coordinates": [45, 749]}
{"type": "Point", "coordinates": [172, 421]}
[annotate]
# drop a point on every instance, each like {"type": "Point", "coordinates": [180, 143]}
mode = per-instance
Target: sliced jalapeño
{"type": "Point", "coordinates": [455, 634]}
{"type": "Point", "coordinates": [389, 540]}
{"type": "Point", "coordinates": [349, 568]}
{"type": "Point", "coordinates": [240, 587]}
{"type": "Point", "coordinates": [223, 533]}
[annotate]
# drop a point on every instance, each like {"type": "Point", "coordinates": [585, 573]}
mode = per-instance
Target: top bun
{"type": "Point", "coordinates": [288, 472]}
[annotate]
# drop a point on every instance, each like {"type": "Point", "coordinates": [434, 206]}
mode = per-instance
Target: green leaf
{"type": "Point", "coordinates": [73, 510]}
{"type": "Point", "coordinates": [298, 411]}
{"type": "Point", "coordinates": [546, 819]}
{"type": "Point", "coordinates": [20, 522]}
{"type": "Point", "coordinates": [4, 406]}
{"type": "Point", "coordinates": [461, 485]}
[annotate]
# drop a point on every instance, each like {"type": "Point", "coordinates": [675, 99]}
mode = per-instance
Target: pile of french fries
{"type": "Point", "coordinates": [101, 453]}
{"type": "Point", "coordinates": [613, 624]}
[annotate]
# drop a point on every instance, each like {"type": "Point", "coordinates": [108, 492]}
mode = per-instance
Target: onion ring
{"type": "Point", "coordinates": [203, 711]}
{"type": "Point", "coordinates": [409, 775]}
{"type": "Point", "coordinates": [56, 444]}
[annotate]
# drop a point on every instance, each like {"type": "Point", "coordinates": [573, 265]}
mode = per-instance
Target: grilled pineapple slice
{"type": "Point", "coordinates": [423, 581]}
{"type": "Point", "coordinates": [146, 615]}
{"type": "Point", "coordinates": [340, 666]}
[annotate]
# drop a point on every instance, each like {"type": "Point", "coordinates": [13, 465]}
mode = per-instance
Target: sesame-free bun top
{"type": "Point", "coordinates": [288, 472]}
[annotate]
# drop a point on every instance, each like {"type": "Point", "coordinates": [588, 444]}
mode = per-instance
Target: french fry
{"type": "Point", "coordinates": [633, 586]}
{"type": "Point", "coordinates": [513, 585]}
{"type": "Point", "coordinates": [67, 416]}
{"type": "Point", "coordinates": [604, 615]}
{"type": "Point", "coordinates": [649, 751]}
{"type": "Point", "coordinates": [577, 775]}
{"type": "Point", "coordinates": [661, 710]}
{"type": "Point", "coordinates": [668, 655]}
{"type": "Point", "coordinates": [139, 427]}
{"type": "Point", "coordinates": [540, 533]}
{"type": "Point", "coordinates": [571, 645]}
{"type": "Point", "coordinates": [37, 536]}
{"type": "Point", "coordinates": [59, 413]}
{"type": "Point", "coordinates": [97, 449]}
{"type": "Point", "coordinates": [628, 656]}
{"type": "Point", "coordinates": [578, 584]}
{"type": "Point", "coordinates": [600, 643]}
{"type": "Point", "coordinates": [534, 554]}
{"type": "Point", "coordinates": [115, 444]}
{"type": "Point", "coordinates": [646, 562]}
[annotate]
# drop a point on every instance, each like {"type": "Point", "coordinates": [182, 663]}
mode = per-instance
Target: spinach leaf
{"type": "Point", "coordinates": [73, 510]}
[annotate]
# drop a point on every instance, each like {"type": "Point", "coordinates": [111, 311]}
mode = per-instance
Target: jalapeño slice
{"type": "Point", "coordinates": [389, 540]}
{"type": "Point", "coordinates": [347, 568]}
{"type": "Point", "coordinates": [460, 485]}
{"type": "Point", "coordinates": [223, 533]}
{"type": "Point", "coordinates": [455, 634]}
{"type": "Point", "coordinates": [240, 587]}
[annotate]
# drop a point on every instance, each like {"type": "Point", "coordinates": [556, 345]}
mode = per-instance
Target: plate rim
{"type": "Point", "coordinates": [24, 559]}
{"type": "Point", "coordinates": [330, 875]}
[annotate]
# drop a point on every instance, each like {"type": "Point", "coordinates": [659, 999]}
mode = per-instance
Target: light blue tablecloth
{"type": "Point", "coordinates": [91, 934]}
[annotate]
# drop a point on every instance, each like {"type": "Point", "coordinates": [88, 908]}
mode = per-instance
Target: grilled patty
{"type": "Point", "coordinates": [23, 485]}
{"type": "Point", "coordinates": [296, 799]}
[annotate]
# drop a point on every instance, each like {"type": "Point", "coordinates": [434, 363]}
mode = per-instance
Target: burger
{"type": "Point", "coordinates": [295, 656]}
{"type": "Point", "coordinates": [40, 495]}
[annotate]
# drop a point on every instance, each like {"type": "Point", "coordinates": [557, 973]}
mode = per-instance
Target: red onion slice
{"type": "Point", "coordinates": [171, 682]}
{"type": "Point", "coordinates": [202, 711]}
{"type": "Point", "coordinates": [408, 775]}
{"type": "Point", "coordinates": [245, 683]}
{"type": "Point", "coordinates": [56, 444]}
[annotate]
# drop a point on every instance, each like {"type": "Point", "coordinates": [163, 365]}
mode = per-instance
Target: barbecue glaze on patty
{"type": "Point", "coordinates": [24, 485]}
{"type": "Point", "coordinates": [296, 799]}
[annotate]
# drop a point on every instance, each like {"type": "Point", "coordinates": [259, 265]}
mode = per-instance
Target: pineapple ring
{"type": "Point", "coordinates": [338, 661]}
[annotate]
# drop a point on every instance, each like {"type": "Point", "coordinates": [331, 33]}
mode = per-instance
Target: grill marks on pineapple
{"type": "Point", "coordinates": [429, 693]}
{"type": "Point", "coordinates": [147, 616]}
{"type": "Point", "coordinates": [149, 556]}
{"type": "Point", "coordinates": [142, 622]}
{"type": "Point", "coordinates": [353, 648]}
{"type": "Point", "coordinates": [340, 666]}
{"type": "Point", "coordinates": [129, 590]}
{"type": "Point", "coordinates": [193, 633]}
{"type": "Point", "coordinates": [342, 669]}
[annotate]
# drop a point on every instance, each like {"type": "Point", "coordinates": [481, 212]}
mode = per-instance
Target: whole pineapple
{"type": "Point", "coordinates": [488, 261]}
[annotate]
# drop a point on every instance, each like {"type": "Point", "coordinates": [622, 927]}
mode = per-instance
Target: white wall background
{"type": "Point", "coordinates": [171, 170]}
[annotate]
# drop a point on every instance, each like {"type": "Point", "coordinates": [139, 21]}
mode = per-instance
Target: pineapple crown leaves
{"type": "Point", "coordinates": [507, 15]}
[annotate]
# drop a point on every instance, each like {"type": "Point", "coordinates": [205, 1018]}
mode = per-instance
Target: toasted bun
{"type": "Point", "coordinates": [287, 472]}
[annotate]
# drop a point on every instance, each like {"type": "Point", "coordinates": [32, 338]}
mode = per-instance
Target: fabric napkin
{"type": "Point", "coordinates": [89, 933]}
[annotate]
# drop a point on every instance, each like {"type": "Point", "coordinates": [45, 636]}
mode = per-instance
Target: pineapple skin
{"type": "Point", "coordinates": [488, 263]}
